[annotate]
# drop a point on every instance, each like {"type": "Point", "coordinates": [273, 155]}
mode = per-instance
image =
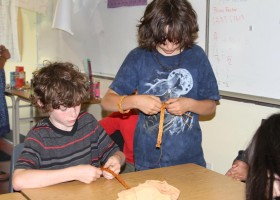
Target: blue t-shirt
{"type": "Point", "coordinates": [4, 115]}
{"type": "Point", "coordinates": [188, 74]}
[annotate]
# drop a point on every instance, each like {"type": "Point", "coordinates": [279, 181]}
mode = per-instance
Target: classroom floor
{"type": "Point", "coordinates": [6, 147]}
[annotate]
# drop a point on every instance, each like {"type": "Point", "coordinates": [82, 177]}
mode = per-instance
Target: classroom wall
{"type": "Point", "coordinates": [27, 44]}
{"type": "Point", "coordinates": [28, 48]}
{"type": "Point", "coordinates": [228, 131]}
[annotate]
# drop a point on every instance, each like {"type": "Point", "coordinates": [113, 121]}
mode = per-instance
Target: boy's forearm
{"type": "Point", "coordinates": [40, 178]}
{"type": "Point", "coordinates": [109, 101]}
{"type": "Point", "coordinates": [203, 107]}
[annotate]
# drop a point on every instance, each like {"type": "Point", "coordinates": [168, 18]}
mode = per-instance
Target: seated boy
{"type": "Point", "coordinates": [69, 144]}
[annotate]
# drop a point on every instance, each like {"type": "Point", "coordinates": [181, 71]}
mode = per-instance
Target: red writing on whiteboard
{"type": "Point", "coordinates": [223, 57]}
{"type": "Point", "coordinates": [224, 10]}
{"type": "Point", "coordinates": [228, 19]}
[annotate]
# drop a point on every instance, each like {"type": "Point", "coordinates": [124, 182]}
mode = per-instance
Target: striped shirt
{"type": "Point", "coordinates": [47, 147]}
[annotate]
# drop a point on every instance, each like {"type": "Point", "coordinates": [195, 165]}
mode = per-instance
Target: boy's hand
{"type": "Point", "coordinates": [86, 173]}
{"type": "Point", "coordinates": [114, 164]}
{"type": "Point", "coordinates": [148, 104]}
{"type": "Point", "coordinates": [178, 106]}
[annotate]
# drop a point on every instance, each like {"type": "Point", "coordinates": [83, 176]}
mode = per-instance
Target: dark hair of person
{"type": "Point", "coordinates": [172, 20]}
{"type": "Point", "coordinates": [59, 84]}
{"type": "Point", "coordinates": [264, 160]}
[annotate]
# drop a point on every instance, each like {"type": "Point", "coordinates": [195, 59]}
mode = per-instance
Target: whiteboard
{"type": "Point", "coordinates": [244, 47]}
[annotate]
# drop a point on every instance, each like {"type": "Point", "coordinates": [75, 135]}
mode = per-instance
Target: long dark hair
{"type": "Point", "coordinates": [174, 20]}
{"type": "Point", "coordinates": [264, 160]}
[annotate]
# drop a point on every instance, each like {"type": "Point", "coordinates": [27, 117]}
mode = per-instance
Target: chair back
{"type": "Point", "coordinates": [15, 155]}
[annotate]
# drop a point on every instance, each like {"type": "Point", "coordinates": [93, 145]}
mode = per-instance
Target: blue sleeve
{"type": "Point", "coordinates": [208, 87]}
{"type": "Point", "coordinates": [126, 80]}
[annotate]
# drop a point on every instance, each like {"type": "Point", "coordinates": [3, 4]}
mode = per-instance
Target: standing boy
{"type": "Point", "coordinates": [172, 75]}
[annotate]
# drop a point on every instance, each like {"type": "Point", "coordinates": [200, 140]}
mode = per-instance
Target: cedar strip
{"type": "Point", "coordinates": [116, 176]}
{"type": "Point", "coordinates": [160, 128]}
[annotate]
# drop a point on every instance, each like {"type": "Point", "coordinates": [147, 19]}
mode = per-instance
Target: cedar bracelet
{"type": "Point", "coordinates": [120, 105]}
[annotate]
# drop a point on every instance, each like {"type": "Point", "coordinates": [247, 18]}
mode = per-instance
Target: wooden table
{"type": "Point", "coordinates": [12, 196]}
{"type": "Point", "coordinates": [194, 182]}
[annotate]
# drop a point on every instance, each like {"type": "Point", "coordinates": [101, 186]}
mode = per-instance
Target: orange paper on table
{"type": "Point", "coordinates": [150, 190]}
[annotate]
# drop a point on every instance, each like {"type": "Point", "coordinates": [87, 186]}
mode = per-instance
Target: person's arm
{"type": "Point", "coordinates": [242, 155]}
{"type": "Point", "coordinates": [4, 56]}
{"type": "Point", "coordinates": [239, 168]}
{"type": "Point", "coordinates": [179, 106]}
{"type": "Point", "coordinates": [238, 171]}
{"type": "Point", "coordinates": [36, 178]}
{"type": "Point", "coordinates": [148, 104]}
{"type": "Point", "coordinates": [41, 178]}
{"type": "Point", "coordinates": [2, 62]}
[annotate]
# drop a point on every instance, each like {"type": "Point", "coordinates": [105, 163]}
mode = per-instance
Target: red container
{"type": "Point", "coordinates": [19, 69]}
{"type": "Point", "coordinates": [19, 77]}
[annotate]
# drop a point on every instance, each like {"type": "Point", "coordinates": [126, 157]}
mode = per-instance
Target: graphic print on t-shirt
{"type": "Point", "coordinates": [178, 83]}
